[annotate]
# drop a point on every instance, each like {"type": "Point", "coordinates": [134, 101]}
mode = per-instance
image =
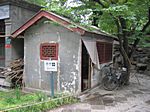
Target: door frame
{"type": "Point", "coordinates": [89, 81]}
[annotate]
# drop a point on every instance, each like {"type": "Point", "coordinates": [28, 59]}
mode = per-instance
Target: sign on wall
{"type": "Point", "coordinates": [4, 12]}
{"type": "Point", "coordinates": [50, 65]}
{"type": "Point", "coordinates": [7, 42]}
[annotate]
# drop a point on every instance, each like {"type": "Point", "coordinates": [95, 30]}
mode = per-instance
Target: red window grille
{"type": "Point", "coordinates": [49, 51]}
{"type": "Point", "coordinates": [104, 51]}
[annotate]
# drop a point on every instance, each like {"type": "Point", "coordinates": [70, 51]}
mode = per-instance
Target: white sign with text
{"type": "Point", "coordinates": [50, 65]}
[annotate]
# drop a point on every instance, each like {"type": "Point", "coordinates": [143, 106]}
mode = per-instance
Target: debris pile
{"type": "Point", "coordinates": [14, 72]}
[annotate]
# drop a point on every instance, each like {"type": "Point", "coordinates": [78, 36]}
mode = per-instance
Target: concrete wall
{"type": "Point", "coordinates": [68, 76]}
{"type": "Point", "coordinates": [19, 16]}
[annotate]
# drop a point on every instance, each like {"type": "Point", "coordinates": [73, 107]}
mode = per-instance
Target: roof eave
{"type": "Point", "coordinates": [99, 35]}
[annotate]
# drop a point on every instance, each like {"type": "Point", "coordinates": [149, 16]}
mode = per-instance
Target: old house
{"type": "Point", "coordinates": [13, 13]}
{"type": "Point", "coordinates": [79, 53]}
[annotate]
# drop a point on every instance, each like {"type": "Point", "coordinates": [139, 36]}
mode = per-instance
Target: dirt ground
{"type": "Point", "coordinates": [132, 98]}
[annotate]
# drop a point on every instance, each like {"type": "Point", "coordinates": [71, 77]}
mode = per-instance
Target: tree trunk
{"type": "Point", "coordinates": [124, 48]}
{"type": "Point", "coordinates": [126, 63]}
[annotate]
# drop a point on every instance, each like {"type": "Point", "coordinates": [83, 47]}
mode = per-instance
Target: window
{"type": "Point", "coordinates": [104, 51]}
{"type": "Point", "coordinates": [49, 51]}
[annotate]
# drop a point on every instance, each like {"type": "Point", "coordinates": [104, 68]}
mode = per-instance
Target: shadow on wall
{"type": "Point", "coordinates": [17, 48]}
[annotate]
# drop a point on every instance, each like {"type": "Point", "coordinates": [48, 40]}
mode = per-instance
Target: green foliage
{"type": "Point", "coordinates": [37, 2]}
{"type": "Point", "coordinates": [17, 93]}
{"type": "Point", "coordinates": [36, 102]}
{"type": "Point", "coordinates": [16, 97]}
{"type": "Point", "coordinates": [135, 13]}
{"type": "Point", "coordinates": [41, 96]}
{"type": "Point", "coordinates": [105, 22]}
{"type": "Point", "coordinates": [145, 41]}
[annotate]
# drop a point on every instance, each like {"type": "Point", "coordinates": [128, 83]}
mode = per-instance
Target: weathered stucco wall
{"type": "Point", "coordinates": [18, 16]}
{"type": "Point", "coordinates": [68, 76]}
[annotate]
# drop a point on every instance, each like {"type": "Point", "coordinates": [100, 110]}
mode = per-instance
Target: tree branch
{"type": "Point", "coordinates": [124, 34]}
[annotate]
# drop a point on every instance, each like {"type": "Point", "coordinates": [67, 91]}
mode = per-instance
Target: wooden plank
{"type": "Point", "coordinates": [5, 83]}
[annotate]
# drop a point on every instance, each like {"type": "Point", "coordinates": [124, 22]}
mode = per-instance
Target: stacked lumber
{"type": "Point", "coordinates": [14, 72]}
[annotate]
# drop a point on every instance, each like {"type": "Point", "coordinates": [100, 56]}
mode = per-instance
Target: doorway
{"type": "Point", "coordinates": [85, 69]}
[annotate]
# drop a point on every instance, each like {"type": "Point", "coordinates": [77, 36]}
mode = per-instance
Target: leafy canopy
{"type": "Point", "coordinates": [134, 12]}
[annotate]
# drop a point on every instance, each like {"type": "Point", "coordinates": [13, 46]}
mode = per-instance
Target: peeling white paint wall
{"type": "Point", "coordinates": [67, 77]}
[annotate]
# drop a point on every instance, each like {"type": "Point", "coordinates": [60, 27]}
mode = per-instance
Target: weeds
{"type": "Point", "coordinates": [16, 101]}
{"type": "Point", "coordinates": [17, 92]}
{"type": "Point", "coordinates": [41, 96]}
{"type": "Point", "coordinates": [44, 106]}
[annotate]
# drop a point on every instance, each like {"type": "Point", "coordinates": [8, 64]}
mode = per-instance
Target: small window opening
{"type": "Point", "coordinates": [49, 51]}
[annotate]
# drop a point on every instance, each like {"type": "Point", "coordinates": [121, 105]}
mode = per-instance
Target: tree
{"type": "Point", "coordinates": [126, 19]}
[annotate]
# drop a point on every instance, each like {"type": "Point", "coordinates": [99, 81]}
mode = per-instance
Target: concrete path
{"type": "Point", "coordinates": [132, 98]}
